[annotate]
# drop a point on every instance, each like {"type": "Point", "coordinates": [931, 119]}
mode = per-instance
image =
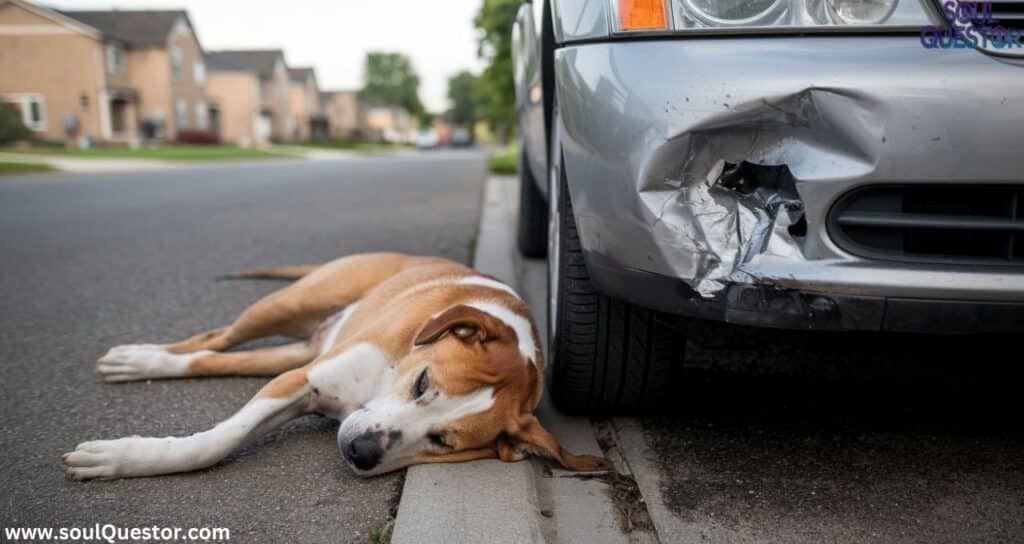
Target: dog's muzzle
{"type": "Point", "coordinates": [363, 451]}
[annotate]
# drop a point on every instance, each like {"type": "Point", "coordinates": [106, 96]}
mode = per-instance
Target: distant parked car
{"type": "Point", "coordinates": [803, 164]}
{"type": "Point", "coordinates": [427, 139]}
{"type": "Point", "coordinates": [461, 138]}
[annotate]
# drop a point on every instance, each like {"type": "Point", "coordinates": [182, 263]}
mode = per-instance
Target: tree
{"type": "Point", "coordinates": [495, 91]}
{"type": "Point", "coordinates": [390, 79]}
{"type": "Point", "coordinates": [11, 127]}
{"type": "Point", "coordinates": [462, 88]}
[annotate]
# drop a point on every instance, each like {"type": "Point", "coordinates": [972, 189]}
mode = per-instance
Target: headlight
{"type": "Point", "coordinates": [861, 12]}
{"type": "Point", "coordinates": [732, 12]}
{"type": "Point", "coordinates": [662, 16]}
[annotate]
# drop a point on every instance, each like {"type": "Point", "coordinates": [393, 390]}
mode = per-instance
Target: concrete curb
{"type": "Point", "coordinates": [635, 451]}
{"type": "Point", "coordinates": [482, 501]}
{"type": "Point", "coordinates": [495, 502]}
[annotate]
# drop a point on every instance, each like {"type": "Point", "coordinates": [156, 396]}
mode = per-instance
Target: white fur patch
{"type": "Point", "coordinates": [489, 283]}
{"type": "Point", "coordinates": [461, 280]}
{"type": "Point", "coordinates": [332, 335]}
{"type": "Point", "coordinates": [413, 419]}
{"type": "Point", "coordinates": [145, 362]}
{"type": "Point", "coordinates": [519, 323]}
{"type": "Point", "coordinates": [351, 378]}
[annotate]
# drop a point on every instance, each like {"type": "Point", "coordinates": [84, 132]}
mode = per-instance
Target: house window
{"type": "Point", "coordinates": [115, 54]}
{"type": "Point", "coordinates": [199, 72]}
{"type": "Point", "coordinates": [202, 116]}
{"type": "Point", "coordinates": [176, 64]}
{"type": "Point", "coordinates": [181, 114]}
{"type": "Point", "coordinates": [32, 108]}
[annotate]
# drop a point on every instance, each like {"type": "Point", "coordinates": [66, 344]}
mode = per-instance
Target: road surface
{"type": "Point", "coordinates": [92, 261]}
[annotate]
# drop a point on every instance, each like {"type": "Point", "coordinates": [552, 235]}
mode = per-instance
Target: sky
{"type": "Point", "coordinates": [334, 35]}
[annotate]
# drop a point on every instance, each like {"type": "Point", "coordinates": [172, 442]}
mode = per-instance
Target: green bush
{"type": "Point", "coordinates": [505, 161]}
{"type": "Point", "coordinates": [11, 128]}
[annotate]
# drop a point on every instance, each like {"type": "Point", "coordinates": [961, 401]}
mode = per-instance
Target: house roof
{"type": "Point", "coordinates": [300, 75]}
{"type": "Point", "coordinates": [261, 61]}
{"type": "Point", "coordinates": [133, 27]}
{"type": "Point", "coordinates": [327, 95]}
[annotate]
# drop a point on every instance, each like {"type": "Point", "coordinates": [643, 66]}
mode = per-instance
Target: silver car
{"type": "Point", "coordinates": [801, 164]}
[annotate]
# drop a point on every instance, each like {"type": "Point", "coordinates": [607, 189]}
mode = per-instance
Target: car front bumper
{"type": "Point", "coordinates": [648, 126]}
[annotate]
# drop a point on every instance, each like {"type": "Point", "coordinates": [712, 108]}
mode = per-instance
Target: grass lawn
{"type": "Point", "coordinates": [505, 161]}
{"type": "Point", "coordinates": [362, 147]}
{"type": "Point", "coordinates": [23, 168]}
{"type": "Point", "coordinates": [166, 153]}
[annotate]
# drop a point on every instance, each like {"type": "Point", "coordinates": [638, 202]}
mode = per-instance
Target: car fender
{"type": "Point", "coordinates": [527, 59]}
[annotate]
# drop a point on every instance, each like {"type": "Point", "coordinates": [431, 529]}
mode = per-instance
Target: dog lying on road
{"type": "Point", "coordinates": [423, 360]}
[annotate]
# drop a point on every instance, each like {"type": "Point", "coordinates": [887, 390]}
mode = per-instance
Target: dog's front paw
{"type": "Point", "coordinates": [143, 362]}
{"type": "Point", "coordinates": [100, 459]}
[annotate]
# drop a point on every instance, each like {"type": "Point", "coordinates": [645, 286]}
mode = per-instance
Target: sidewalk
{"type": "Point", "coordinates": [87, 165]}
{"type": "Point", "coordinates": [93, 165]}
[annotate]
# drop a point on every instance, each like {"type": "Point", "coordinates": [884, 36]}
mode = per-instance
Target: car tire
{"type": "Point", "coordinates": [532, 237]}
{"type": "Point", "coordinates": [606, 356]}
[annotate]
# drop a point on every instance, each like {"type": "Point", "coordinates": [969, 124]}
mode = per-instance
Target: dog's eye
{"type": "Point", "coordinates": [421, 385]}
{"type": "Point", "coordinates": [463, 332]}
{"type": "Point", "coordinates": [438, 440]}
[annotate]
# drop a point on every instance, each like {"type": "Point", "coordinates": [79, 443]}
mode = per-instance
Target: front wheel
{"type": "Point", "coordinates": [607, 356]}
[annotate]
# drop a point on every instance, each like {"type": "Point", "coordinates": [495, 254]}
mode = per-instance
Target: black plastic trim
{"type": "Point", "coordinates": [1010, 222]}
{"type": "Point", "coordinates": [773, 307]}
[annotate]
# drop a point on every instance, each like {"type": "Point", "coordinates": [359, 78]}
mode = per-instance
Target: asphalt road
{"type": "Point", "coordinates": [791, 437]}
{"type": "Point", "coordinates": [93, 261]}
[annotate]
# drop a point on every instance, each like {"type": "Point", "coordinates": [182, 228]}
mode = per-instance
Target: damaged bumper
{"type": "Point", "coordinates": [702, 173]}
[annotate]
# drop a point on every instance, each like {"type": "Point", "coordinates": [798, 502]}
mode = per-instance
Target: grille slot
{"type": "Point", "coordinates": [1008, 14]}
{"type": "Point", "coordinates": [971, 224]}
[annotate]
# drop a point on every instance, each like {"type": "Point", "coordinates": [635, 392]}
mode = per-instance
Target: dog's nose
{"type": "Point", "coordinates": [364, 451]}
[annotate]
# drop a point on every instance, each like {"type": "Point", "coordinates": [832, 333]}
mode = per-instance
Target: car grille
{"type": "Point", "coordinates": [1008, 14]}
{"type": "Point", "coordinates": [973, 224]}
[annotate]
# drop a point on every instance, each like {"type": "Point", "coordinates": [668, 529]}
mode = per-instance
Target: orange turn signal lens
{"type": "Point", "coordinates": [642, 15]}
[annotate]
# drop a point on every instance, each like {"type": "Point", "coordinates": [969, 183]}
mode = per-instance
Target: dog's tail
{"type": "Point", "coordinates": [289, 272]}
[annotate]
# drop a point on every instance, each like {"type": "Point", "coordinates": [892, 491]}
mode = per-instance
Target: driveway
{"type": "Point", "coordinates": [93, 261]}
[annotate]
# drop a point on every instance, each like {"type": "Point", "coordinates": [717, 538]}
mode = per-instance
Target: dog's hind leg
{"type": "Point", "coordinates": [285, 398]}
{"type": "Point", "coordinates": [297, 309]}
{"type": "Point", "coordinates": [132, 363]}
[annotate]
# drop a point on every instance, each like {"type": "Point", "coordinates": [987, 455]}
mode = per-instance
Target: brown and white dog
{"type": "Point", "coordinates": [423, 360]}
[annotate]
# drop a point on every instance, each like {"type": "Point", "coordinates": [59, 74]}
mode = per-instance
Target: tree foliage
{"type": "Point", "coordinates": [462, 93]}
{"type": "Point", "coordinates": [390, 79]}
{"type": "Point", "coordinates": [11, 128]}
{"type": "Point", "coordinates": [495, 92]}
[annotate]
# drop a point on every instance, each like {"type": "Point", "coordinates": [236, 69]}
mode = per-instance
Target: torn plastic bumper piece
{"type": "Point", "coordinates": [737, 212]}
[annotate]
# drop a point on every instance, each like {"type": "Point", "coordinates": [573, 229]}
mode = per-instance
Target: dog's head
{"type": "Point", "coordinates": [466, 391]}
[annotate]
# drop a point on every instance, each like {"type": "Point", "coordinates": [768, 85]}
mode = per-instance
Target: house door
{"type": "Point", "coordinates": [119, 116]}
{"type": "Point", "coordinates": [263, 127]}
{"type": "Point", "coordinates": [214, 113]}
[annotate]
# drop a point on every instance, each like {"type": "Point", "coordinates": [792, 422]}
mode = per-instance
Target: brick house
{"type": "Point", "coordinates": [107, 73]}
{"type": "Point", "coordinates": [342, 111]}
{"type": "Point", "coordinates": [252, 89]}
{"type": "Point", "coordinates": [311, 123]}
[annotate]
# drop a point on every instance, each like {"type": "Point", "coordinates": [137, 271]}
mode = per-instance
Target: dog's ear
{"type": "Point", "coordinates": [530, 436]}
{"type": "Point", "coordinates": [465, 323]}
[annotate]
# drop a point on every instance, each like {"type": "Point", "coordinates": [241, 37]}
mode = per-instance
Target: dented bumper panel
{"type": "Point", "coordinates": [715, 161]}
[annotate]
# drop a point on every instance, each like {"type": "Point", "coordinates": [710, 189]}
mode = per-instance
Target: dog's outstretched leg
{"type": "Point", "coordinates": [297, 309]}
{"type": "Point", "coordinates": [286, 397]}
{"type": "Point", "coordinates": [142, 362]}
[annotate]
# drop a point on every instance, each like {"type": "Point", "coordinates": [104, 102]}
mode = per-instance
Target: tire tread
{"type": "Point", "coordinates": [610, 357]}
